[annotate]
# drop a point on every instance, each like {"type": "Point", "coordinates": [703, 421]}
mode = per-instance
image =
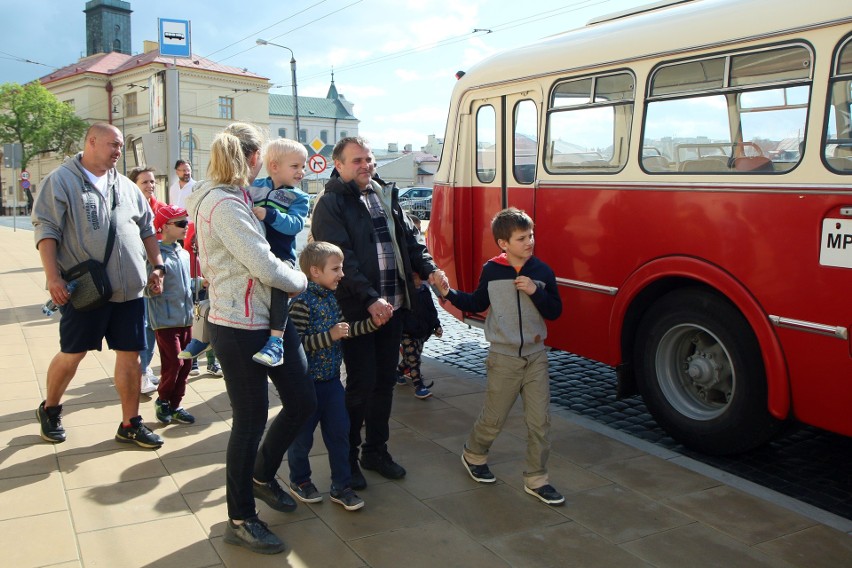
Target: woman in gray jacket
{"type": "Point", "coordinates": [241, 269]}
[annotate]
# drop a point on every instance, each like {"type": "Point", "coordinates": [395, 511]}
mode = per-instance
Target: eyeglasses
{"type": "Point", "coordinates": [182, 224]}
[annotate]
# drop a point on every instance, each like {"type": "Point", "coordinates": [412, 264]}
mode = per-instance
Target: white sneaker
{"type": "Point", "coordinates": [151, 376]}
{"type": "Point", "coordinates": [147, 385]}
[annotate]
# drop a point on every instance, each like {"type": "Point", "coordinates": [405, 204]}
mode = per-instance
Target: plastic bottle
{"type": "Point", "coordinates": [49, 308]}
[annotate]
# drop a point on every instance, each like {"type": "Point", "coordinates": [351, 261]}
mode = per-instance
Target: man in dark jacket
{"type": "Point", "coordinates": [361, 214]}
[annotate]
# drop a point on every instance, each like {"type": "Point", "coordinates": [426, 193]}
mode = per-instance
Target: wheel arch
{"type": "Point", "coordinates": [663, 275]}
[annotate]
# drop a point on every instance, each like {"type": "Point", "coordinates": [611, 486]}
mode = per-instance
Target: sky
{"type": "Point", "coordinates": [394, 59]}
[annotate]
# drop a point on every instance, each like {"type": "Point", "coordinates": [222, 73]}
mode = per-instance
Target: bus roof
{"type": "Point", "coordinates": [662, 28]}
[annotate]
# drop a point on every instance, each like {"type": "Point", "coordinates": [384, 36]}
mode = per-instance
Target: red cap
{"type": "Point", "coordinates": [165, 214]}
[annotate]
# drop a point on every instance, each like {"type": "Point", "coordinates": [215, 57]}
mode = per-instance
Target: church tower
{"type": "Point", "coordinates": [107, 26]}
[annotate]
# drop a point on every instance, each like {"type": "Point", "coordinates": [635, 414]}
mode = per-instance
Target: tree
{"type": "Point", "coordinates": [33, 117]}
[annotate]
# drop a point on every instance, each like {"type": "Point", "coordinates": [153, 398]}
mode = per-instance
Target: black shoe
{"type": "Point", "coordinates": [51, 423]}
{"type": "Point", "coordinates": [254, 535]}
{"type": "Point", "coordinates": [547, 494]}
{"type": "Point", "coordinates": [138, 434]}
{"type": "Point", "coordinates": [357, 482]}
{"type": "Point", "coordinates": [479, 473]}
{"type": "Point", "coordinates": [383, 464]}
{"type": "Point", "coordinates": [272, 494]}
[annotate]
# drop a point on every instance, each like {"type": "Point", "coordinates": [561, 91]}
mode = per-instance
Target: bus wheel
{"type": "Point", "coordinates": [701, 374]}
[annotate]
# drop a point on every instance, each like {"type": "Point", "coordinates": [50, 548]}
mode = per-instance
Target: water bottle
{"type": "Point", "coordinates": [49, 308]}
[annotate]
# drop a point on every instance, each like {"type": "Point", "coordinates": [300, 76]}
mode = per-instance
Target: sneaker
{"type": "Point", "coordinates": [357, 482]}
{"type": "Point", "coordinates": [193, 349]}
{"type": "Point", "coordinates": [151, 376]}
{"type": "Point", "coordinates": [182, 416]}
{"type": "Point", "coordinates": [194, 372]}
{"type": "Point", "coordinates": [479, 473]}
{"type": "Point", "coordinates": [547, 494]}
{"type": "Point", "coordinates": [272, 354]}
{"type": "Point", "coordinates": [347, 498]}
{"type": "Point", "coordinates": [138, 434]}
{"type": "Point", "coordinates": [422, 392]}
{"type": "Point", "coordinates": [50, 422]}
{"type": "Point", "coordinates": [306, 492]}
{"type": "Point", "coordinates": [215, 370]}
{"type": "Point", "coordinates": [254, 535]}
{"type": "Point", "coordinates": [272, 494]}
{"type": "Point", "coordinates": [163, 411]}
{"type": "Point", "coordinates": [383, 464]}
{"type": "Point", "coordinates": [400, 378]}
{"type": "Point", "coordinates": [147, 386]}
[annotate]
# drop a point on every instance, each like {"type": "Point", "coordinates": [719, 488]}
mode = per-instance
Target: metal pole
{"type": "Point", "coordinates": [295, 97]}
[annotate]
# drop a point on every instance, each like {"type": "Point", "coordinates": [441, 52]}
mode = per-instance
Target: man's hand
{"type": "Point", "coordinates": [58, 293]}
{"type": "Point", "coordinates": [438, 279]}
{"type": "Point", "coordinates": [339, 331]}
{"type": "Point", "coordinates": [380, 311]}
{"type": "Point", "coordinates": [155, 282]}
{"type": "Point", "coordinates": [259, 212]}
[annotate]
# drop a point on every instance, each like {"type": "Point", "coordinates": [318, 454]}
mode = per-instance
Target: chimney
{"type": "Point", "coordinates": [149, 46]}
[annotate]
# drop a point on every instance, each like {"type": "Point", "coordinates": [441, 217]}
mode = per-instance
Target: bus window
{"type": "Point", "coordinates": [525, 126]}
{"type": "Point", "coordinates": [740, 113]}
{"type": "Point", "coordinates": [486, 138]}
{"type": "Point", "coordinates": [837, 150]}
{"type": "Point", "coordinates": [588, 124]}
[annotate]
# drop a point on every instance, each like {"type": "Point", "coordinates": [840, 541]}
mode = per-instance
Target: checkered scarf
{"type": "Point", "coordinates": [390, 287]}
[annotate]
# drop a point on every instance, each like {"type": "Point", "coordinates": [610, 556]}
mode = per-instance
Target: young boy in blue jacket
{"type": "Point", "coordinates": [521, 292]}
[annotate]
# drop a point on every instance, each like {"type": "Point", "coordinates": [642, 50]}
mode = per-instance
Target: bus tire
{"type": "Point", "coordinates": [701, 375]}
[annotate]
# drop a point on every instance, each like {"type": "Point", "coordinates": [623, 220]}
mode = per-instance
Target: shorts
{"type": "Point", "coordinates": [121, 323]}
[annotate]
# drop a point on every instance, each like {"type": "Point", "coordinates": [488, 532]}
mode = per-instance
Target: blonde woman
{"type": "Point", "coordinates": [242, 271]}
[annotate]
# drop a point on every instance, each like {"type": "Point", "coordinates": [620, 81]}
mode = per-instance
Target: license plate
{"type": "Point", "coordinates": [835, 248]}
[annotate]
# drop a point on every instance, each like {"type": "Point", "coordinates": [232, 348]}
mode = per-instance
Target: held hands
{"type": "Point", "coordinates": [380, 312]}
{"type": "Point", "coordinates": [526, 285]}
{"type": "Point", "coordinates": [155, 282]}
{"type": "Point", "coordinates": [259, 212]}
{"type": "Point", "coordinates": [439, 281]}
{"type": "Point", "coordinates": [339, 331]}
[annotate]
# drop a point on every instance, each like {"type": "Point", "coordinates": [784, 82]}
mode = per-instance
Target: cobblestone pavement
{"type": "Point", "coordinates": [808, 464]}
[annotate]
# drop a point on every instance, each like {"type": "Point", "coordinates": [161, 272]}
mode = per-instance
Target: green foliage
{"type": "Point", "coordinates": [32, 116]}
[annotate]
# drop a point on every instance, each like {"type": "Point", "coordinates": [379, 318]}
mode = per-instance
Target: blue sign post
{"type": "Point", "coordinates": [175, 38]}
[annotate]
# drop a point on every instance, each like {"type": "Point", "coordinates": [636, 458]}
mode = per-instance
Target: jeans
{"type": "Point", "coordinates": [371, 361]}
{"type": "Point", "coordinates": [147, 354]}
{"type": "Point", "coordinates": [173, 371]}
{"type": "Point", "coordinates": [334, 424]}
{"type": "Point", "coordinates": [246, 384]}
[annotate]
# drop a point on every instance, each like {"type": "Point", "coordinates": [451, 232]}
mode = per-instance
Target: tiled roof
{"type": "Point", "coordinates": [114, 62]}
{"type": "Point", "coordinates": [282, 105]}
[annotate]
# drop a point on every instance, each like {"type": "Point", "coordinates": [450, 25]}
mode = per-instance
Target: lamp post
{"type": "Point", "coordinates": [295, 91]}
{"type": "Point", "coordinates": [116, 105]}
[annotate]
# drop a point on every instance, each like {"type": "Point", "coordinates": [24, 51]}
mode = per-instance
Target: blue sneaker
{"type": "Point", "coordinates": [272, 354]}
{"type": "Point", "coordinates": [193, 349]}
{"type": "Point", "coordinates": [163, 411]}
{"type": "Point", "coordinates": [422, 392]}
{"type": "Point", "coordinates": [400, 379]}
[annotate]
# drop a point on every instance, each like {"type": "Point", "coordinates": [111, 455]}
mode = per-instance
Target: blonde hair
{"type": "Point", "coordinates": [276, 150]}
{"type": "Point", "coordinates": [316, 253]}
{"type": "Point", "coordinates": [231, 152]}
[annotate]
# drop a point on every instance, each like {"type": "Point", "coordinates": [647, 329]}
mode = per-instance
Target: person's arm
{"type": "Point", "coordinates": [156, 276]}
{"type": "Point", "coordinates": [545, 297]}
{"type": "Point", "coordinates": [300, 314]}
{"type": "Point", "coordinates": [55, 283]}
{"type": "Point", "coordinates": [291, 222]}
{"type": "Point", "coordinates": [48, 219]}
{"type": "Point", "coordinates": [477, 301]}
{"type": "Point", "coordinates": [362, 327]}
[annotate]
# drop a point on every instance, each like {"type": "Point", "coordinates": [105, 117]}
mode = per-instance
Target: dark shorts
{"type": "Point", "coordinates": [122, 324]}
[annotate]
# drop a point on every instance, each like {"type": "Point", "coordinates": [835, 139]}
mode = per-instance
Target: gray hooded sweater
{"type": "Point", "coordinates": [236, 258]}
{"type": "Point", "coordinates": [76, 215]}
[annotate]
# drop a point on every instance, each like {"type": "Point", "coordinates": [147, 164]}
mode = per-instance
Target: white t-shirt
{"type": "Point", "coordinates": [178, 194]}
{"type": "Point", "coordinates": [100, 183]}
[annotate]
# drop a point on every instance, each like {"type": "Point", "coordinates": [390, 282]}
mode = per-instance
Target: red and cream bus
{"type": "Point", "coordinates": [689, 171]}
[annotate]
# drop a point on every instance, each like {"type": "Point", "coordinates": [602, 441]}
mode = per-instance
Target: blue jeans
{"type": "Point", "coordinates": [333, 419]}
{"type": "Point", "coordinates": [246, 384]}
{"type": "Point", "coordinates": [147, 354]}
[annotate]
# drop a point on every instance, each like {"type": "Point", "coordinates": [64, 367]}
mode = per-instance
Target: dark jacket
{"type": "Point", "coordinates": [340, 217]}
{"type": "Point", "coordinates": [422, 320]}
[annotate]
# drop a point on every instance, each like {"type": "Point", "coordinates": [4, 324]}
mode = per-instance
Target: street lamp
{"type": "Point", "coordinates": [116, 105]}
{"type": "Point", "coordinates": [293, 72]}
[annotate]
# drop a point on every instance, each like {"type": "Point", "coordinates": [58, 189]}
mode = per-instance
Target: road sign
{"type": "Point", "coordinates": [12, 154]}
{"type": "Point", "coordinates": [317, 144]}
{"type": "Point", "coordinates": [25, 175]}
{"type": "Point", "coordinates": [317, 163]}
{"type": "Point", "coordinates": [175, 38]}
{"type": "Point", "coordinates": [25, 183]}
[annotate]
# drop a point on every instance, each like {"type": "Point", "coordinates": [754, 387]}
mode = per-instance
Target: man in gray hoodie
{"type": "Point", "coordinates": [71, 216]}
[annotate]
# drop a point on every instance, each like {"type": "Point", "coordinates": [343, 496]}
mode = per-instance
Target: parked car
{"type": "Point", "coordinates": [416, 201]}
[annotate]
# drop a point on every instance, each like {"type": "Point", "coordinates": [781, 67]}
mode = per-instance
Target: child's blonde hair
{"type": "Point", "coordinates": [275, 150]}
{"type": "Point", "coordinates": [231, 152]}
{"type": "Point", "coordinates": [316, 253]}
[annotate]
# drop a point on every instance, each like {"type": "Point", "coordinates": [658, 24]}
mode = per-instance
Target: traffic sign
{"type": "Point", "coordinates": [25, 183]}
{"type": "Point", "coordinates": [25, 175]}
{"type": "Point", "coordinates": [317, 163]}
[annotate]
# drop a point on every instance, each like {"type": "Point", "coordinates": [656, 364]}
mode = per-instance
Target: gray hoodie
{"type": "Point", "coordinates": [235, 257]}
{"type": "Point", "coordinates": [71, 211]}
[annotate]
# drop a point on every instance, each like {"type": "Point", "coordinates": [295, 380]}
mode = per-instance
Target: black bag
{"type": "Point", "coordinates": [91, 283]}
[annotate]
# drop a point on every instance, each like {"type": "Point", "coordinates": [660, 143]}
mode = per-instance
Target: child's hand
{"type": "Point", "coordinates": [525, 285]}
{"type": "Point", "coordinates": [259, 212]}
{"type": "Point", "coordinates": [439, 331]}
{"type": "Point", "coordinates": [205, 283]}
{"type": "Point", "coordinates": [340, 331]}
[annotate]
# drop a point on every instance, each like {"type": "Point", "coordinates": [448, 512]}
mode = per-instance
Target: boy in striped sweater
{"type": "Point", "coordinates": [317, 316]}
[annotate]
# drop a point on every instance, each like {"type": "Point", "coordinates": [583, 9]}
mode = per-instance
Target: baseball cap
{"type": "Point", "coordinates": [165, 214]}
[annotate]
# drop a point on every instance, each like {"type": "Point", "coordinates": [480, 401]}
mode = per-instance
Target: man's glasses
{"type": "Point", "coordinates": [182, 224]}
